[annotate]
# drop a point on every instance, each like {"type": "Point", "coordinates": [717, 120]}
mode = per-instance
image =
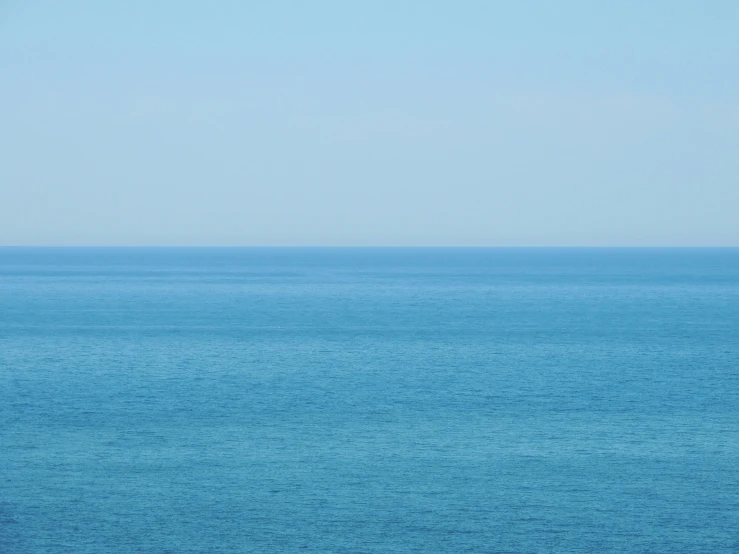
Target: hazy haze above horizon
{"type": "Point", "coordinates": [373, 123]}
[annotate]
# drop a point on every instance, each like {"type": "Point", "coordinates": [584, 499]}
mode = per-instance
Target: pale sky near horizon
{"type": "Point", "coordinates": [323, 122]}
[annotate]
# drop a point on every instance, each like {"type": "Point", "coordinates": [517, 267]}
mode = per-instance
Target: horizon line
{"type": "Point", "coordinates": [404, 246]}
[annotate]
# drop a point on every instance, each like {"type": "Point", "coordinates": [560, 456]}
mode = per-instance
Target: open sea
{"type": "Point", "coordinates": [368, 400]}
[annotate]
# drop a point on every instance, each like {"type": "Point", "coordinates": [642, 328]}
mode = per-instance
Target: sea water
{"type": "Point", "coordinates": [369, 400]}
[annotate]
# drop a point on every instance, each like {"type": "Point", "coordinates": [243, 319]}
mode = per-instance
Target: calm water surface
{"type": "Point", "coordinates": [369, 400]}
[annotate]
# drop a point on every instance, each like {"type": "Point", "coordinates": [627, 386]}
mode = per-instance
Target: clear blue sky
{"type": "Point", "coordinates": [320, 122]}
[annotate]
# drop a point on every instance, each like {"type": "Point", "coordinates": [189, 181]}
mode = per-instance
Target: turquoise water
{"type": "Point", "coordinates": [369, 400]}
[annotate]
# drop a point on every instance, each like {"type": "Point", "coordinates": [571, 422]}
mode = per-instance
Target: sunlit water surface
{"type": "Point", "coordinates": [369, 400]}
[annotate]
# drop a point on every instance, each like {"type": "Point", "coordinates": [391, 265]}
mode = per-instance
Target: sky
{"type": "Point", "coordinates": [369, 123]}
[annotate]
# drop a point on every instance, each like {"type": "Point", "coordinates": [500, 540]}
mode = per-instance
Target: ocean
{"type": "Point", "coordinates": [345, 400]}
